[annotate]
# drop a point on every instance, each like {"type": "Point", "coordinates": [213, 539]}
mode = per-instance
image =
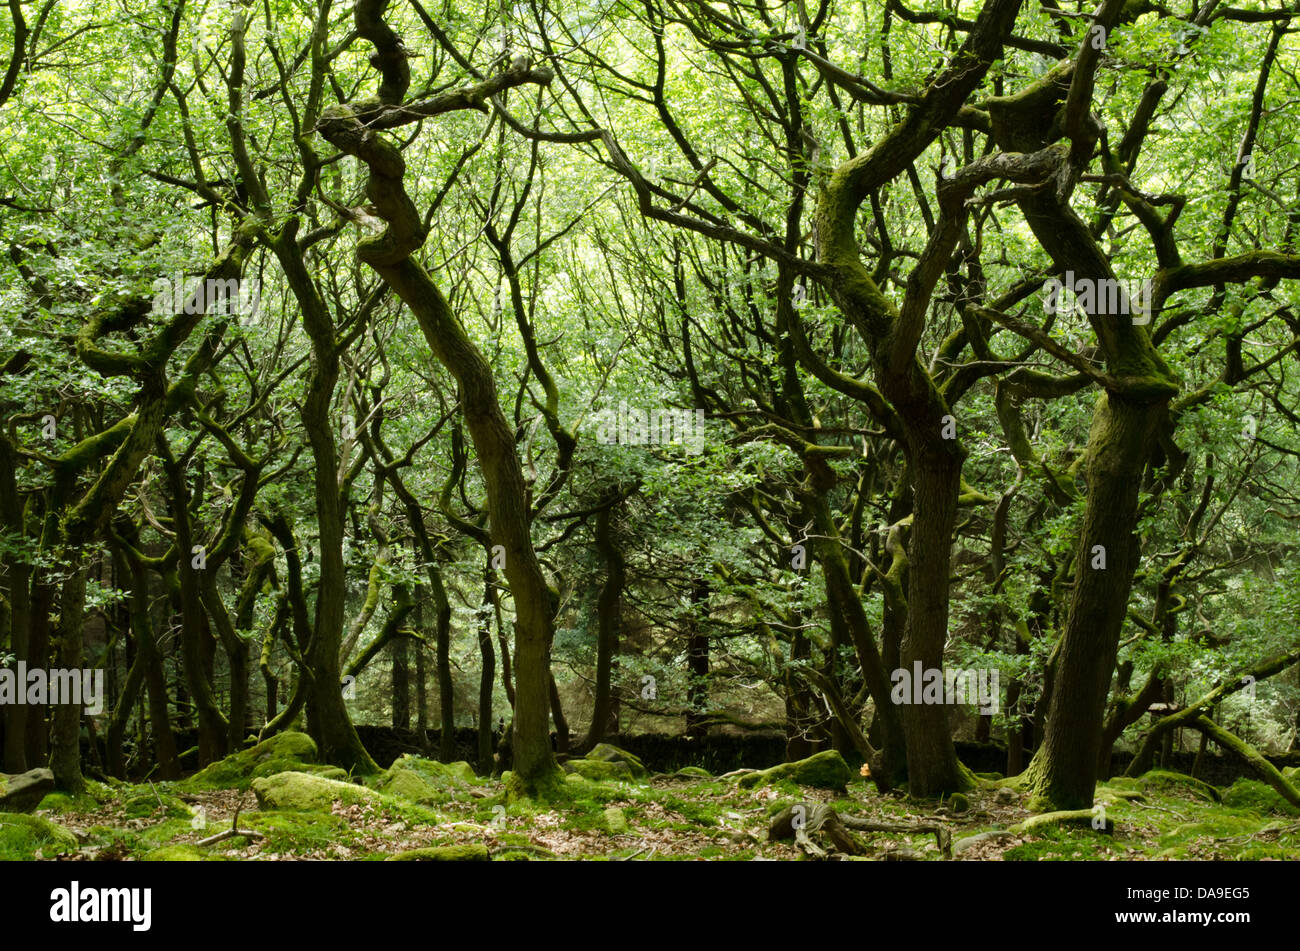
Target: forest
{"type": "Point", "coordinates": [643, 430]}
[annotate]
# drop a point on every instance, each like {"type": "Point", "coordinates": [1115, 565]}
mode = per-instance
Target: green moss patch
{"type": "Point", "coordinates": [24, 837]}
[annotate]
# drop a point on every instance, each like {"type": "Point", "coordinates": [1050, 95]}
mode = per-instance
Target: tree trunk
{"type": "Point", "coordinates": [1064, 770]}
{"type": "Point", "coordinates": [487, 674]}
{"type": "Point", "coordinates": [65, 742]}
{"type": "Point", "coordinates": [607, 624]}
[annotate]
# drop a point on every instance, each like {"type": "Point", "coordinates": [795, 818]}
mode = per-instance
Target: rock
{"type": "Point", "coordinates": [598, 770]}
{"type": "Point", "coordinates": [426, 781]}
{"type": "Point", "coordinates": [1006, 796]}
{"type": "Point", "coordinates": [24, 837]}
{"type": "Point", "coordinates": [958, 802]}
{"type": "Point", "coordinates": [824, 770]}
{"type": "Point", "coordinates": [475, 852]}
{"type": "Point", "coordinates": [303, 792]}
{"type": "Point", "coordinates": [284, 752]}
{"type": "Point", "coordinates": [961, 845]}
{"type": "Point", "coordinates": [615, 820]}
{"type": "Point", "coordinates": [23, 792]}
{"type": "Point", "coordinates": [605, 753]}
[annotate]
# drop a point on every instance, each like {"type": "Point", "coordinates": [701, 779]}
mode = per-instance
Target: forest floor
{"type": "Point", "coordinates": [287, 808]}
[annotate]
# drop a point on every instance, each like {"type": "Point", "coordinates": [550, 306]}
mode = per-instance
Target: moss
{"type": "Point", "coordinates": [295, 832]}
{"type": "Point", "coordinates": [473, 852]}
{"type": "Point", "coordinates": [514, 855]}
{"type": "Point", "coordinates": [148, 803]}
{"type": "Point", "coordinates": [958, 802]}
{"type": "Point", "coordinates": [1257, 797]}
{"type": "Point", "coordinates": [990, 777]}
{"type": "Point", "coordinates": [302, 792]}
{"type": "Point", "coordinates": [181, 852]}
{"type": "Point", "coordinates": [58, 802]}
{"type": "Point", "coordinates": [550, 787]}
{"type": "Point", "coordinates": [693, 772]}
{"type": "Point", "coordinates": [1065, 844]}
{"type": "Point", "coordinates": [282, 753]}
{"type": "Point", "coordinates": [825, 770]}
{"type": "Point", "coordinates": [605, 753]}
{"type": "Point", "coordinates": [1160, 779]}
{"type": "Point", "coordinates": [25, 837]}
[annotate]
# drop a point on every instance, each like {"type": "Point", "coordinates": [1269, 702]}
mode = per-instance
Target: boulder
{"type": "Point", "coordinates": [605, 753]}
{"type": "Point", "coordinates": [303, 792]}
{"type": "Point", "coordinates": [824, 770]}
{"type": "Point", "coordinates": [426, 781]}
{"type": "Point", "coordinates": [23, 792]}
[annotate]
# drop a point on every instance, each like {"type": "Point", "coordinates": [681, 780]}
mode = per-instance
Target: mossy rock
{"type": "Point", "coordinates": [425, 781]}
{"type": "Point", "coordinates": [1166, 779]}
{"type": "Point", "coordinates": [147, 803]}
{"type": "Point", "coordinates": [692, 772]}
{"type": "Point", "coordinates": [474, 852]}
{"type": "Point", "coordinates": [284, 752]}
{"type": "Point", "coordinates": [991, 777]}
{"type": "Point", "coordinates": [24, 836]}
{"type": "Point", "coordinates": [615, 820]}
{"type": "Point", "coordinates": [958, 802]}
{"type": "Point", "coordinates": [1257, 797]}
{"type": "Point", "coordinates": [302, 792]}
{"type": "Point", "coordinates": [824, 770]}
{"type": "Point", "coordinates": [606, 753]}
{"type": "Point", "coordinates": [459, 773]}
{"type": "Point", "coordinates": [599, 771]}
{"type": "Point", "coordinates": [23, 792]}
{"type": "Point", "coordinates": [181, 852]}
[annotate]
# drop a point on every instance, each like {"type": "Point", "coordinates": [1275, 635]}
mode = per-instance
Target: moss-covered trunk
{"type": "Point", "coordinates": [1063, 773]}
